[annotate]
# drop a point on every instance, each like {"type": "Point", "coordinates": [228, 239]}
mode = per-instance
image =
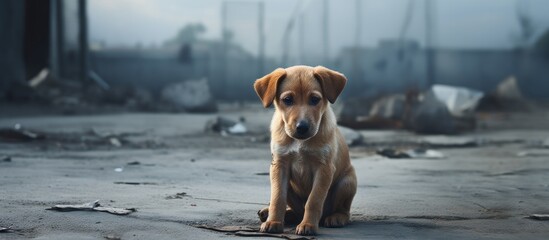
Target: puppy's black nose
{"type": "Point", "coordinates": [302, 127]}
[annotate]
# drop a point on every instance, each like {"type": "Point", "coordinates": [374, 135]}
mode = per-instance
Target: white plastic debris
{"type": "Point", "coordinates": [460, 101]}
{"type": "Point", "coordinates": [238, 128]}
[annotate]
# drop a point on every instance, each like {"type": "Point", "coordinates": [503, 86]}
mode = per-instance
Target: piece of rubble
{"type": "Point", "coordinates": [92, 206]}
{"type": "Point", "coordinates": [351, 136]}
{"type": "Point", "coordinates": [179, 195]}
{"type": "Point", "coordinates": [449, 141]}
{"type": "Point", "coordinates": [533, 153]}
{"type": "Point", "coordinates": [136, 183]}
{"type": "Point", "coordinates": [190, 95]}
{"type": "Point", "coordinates": [417, 153]}
{"type": "Point", "coordinates": [226, 126]}
{"type": "Point", "coordinates": [115, 142]}
{"type": "Point", "coordinates": [539, 217]}
{"type": "Point", "coordinates": [425, 153]}
{"type": "Point", "coordinates": [246, 231]}
{"type": "Point", "coordinates": [509, 89]}
{"type": "Point", "coordinates": [460, 101]}
{"type": "Point", "coordinates": [18, 134]}
{"type": "Point", "coordinates": [5, 229]}
{"type": "Point", "coordinates": [112, 237]}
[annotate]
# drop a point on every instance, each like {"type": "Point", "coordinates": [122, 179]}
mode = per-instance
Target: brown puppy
{"type": "Point", "coordinates": [312, 179]}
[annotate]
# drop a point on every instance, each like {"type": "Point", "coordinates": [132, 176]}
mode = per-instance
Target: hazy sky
{"type": "Point", "coordinates": [460, 24]}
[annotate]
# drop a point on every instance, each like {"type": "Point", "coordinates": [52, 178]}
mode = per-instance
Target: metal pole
{"type": "Point", "coordinates": [358, 35]}
{"type": "Point", "coordinates": [54, 48]}
{"type": "Point", "coordinates": [83, 40]}
{"type": "Point", "coordinates": [224, 36]}
{"type": "Point", "coordinates": [325, 33]}
{"type": "Point", "coordinates": [429, 48]}
{"type": "Point", "coordinates": [261, 44]}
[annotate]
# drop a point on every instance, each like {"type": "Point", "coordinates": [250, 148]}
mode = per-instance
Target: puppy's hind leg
{"type": "Point", "coordinates": [342, 196]}
{"type": "Point", "coordinates": [291, 217]}
{"type": "Point", "coordinates": [294, 210]}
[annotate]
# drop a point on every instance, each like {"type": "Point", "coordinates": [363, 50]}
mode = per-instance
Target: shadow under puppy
{"type": "Point", "coordinates": [312, 179]}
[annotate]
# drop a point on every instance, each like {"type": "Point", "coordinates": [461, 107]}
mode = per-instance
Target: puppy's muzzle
{"type": "Point", "coordinates": [302, 129]}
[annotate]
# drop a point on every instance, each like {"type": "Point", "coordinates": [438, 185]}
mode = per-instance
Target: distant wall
{"type": "Point", "coordinates": [388, 70]}
{"type": "Point", "coordinates": [154, 69]}
{"type": "Point", "coordinates": [381, 70]}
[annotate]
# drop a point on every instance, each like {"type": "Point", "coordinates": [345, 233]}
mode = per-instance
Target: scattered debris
{"type": "Point", "coordinates": [441, 110]}
{"type": "Point", "coordinates": [238, 128]}
{"type": "Point", "coordinates": [5, 159]}
{"type": "Point", "coordinates": [509, 89]}
{"type": "Point", "coordinates": [178, 196]}
{"type": "Point", "coordinates": [136, 183]}
{"type": "Point", "coordinates": [370, 113]}
{"type": "Point", "coordinates": [4, 229]}
{"type": "Point", "coordinates": [392, 153]}
{"type": "Point", "coordinates": [193, 205]}
{"type": "Point", "coordinates": [506, 97]}
{"type": "Point", "coordinates": [351, 136]}
{"type": "Point", "coordinates": [418, 153]}
{"type": "Point", "coordinates": [133, 163]}
{"type": "Point", "coordinates": [246, 231]}
{"type": "Point", "coordinates": [39, 78]}
{"type": "Point", "coordinates": [539, 217]}
{"type": "Point", "coordinates": [112, 237]}
{"type": "Point", "coordinates": [115, 142]}
{"type": "Point", "coordinates": [226, 126]}
{"type": "Point", "coordinates": [190, 95]}
{"type": "Point", "coordinates": [425, 153]}
{"type": "Point", "coordinates": [92, 206]}
{"type": "Point", "coordinates": [461, 102]}
{"type": "Point", "coordinates": [449, 141]}
{"type": "Point", "coordinates": [428, 115]}
{"type": "Point", "coordinates": [533, 153]}
{"type": "Point", "coordinates": [18, 134]}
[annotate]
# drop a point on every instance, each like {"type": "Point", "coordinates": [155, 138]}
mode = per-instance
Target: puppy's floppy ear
{"type": "Point", "coordinates": [265, 87]}
{"type": "Point", "coordinates": [332, 82]}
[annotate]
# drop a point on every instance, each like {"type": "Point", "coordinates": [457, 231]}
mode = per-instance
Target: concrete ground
{"type": "Point", "coordinates": [483, 190]}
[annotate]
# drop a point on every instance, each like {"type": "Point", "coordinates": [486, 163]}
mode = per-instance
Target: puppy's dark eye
{"type": "Point", "coordinates": [314, 100]}
{"type": "Point", "coordinates": [288, 100]}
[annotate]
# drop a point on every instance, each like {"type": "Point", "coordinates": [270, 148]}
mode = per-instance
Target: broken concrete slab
{"type": "Point", "coordinates": [248, 231]}
{"type": "Point", "coordinates": [539, 217]}
{"type": "Point", "coordinates": [92, 206]}
{"type": "Point", "coordinates": [417, 153]}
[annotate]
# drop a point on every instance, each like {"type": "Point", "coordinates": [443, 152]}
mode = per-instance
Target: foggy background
{"type": "Point", "coordinates": [356, 37]}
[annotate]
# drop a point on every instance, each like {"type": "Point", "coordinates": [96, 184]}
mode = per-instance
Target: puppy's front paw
{"type": "Point", "coordinates": [272, 227]}
{"type": "Point", "coordinates": [306, 229]}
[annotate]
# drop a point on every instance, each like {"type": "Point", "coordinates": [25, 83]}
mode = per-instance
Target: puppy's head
{"type": "Point", "coordinates": [301, 95]}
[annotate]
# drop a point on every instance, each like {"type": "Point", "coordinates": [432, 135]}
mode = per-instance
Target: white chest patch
{"type": "Point", "coordinates": [294, 147]}
{"type": "Point", "coordinates": [301, 148]}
